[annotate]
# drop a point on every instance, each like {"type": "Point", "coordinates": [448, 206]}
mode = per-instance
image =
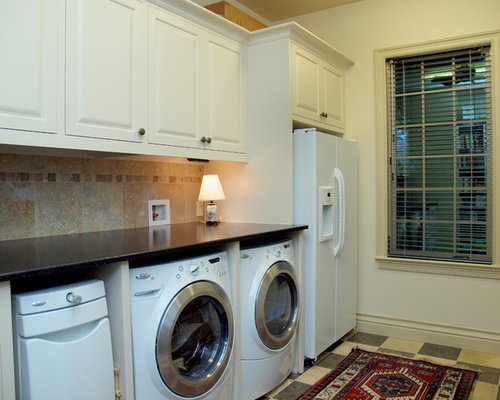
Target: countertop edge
{"type": "Point", "coordinates": [17, 264]}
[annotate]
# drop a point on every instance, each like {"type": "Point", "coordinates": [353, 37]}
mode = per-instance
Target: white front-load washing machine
{"type": "Point", "coordinates": [182, 329]}
{"type": "Point", "coordinates": [269, 301]}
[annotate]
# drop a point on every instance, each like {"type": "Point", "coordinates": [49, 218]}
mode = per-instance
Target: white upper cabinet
{"type": "Point", "coordinates": [196, 86]}
{"type": "Point", "coordinates": [174, 80]}
{"type": "Point", "coordinates": [333, 96]}
{"type": "Point", "coordinates": [28, 68]}
{"type": "Point", "coordinates": [317, 91]}
{"type": "Point", "coordinates": [154, 77]}
{"type": "Point", "coordinates": [106, 69]}
{"type": "Point", "coordinates": [225, 104]}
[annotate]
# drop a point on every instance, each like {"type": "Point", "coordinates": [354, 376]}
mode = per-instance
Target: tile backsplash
{"type": "Point", "coordinates": [41, 196]}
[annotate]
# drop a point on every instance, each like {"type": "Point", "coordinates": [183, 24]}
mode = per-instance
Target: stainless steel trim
{"type": "Point", "coordinates": [275, 342]}
{"type": "Point", "coordinates": [168, 372]}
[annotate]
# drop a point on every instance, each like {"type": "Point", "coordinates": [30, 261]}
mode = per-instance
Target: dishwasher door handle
{"type": "Point", "coordinates": [147, 292]}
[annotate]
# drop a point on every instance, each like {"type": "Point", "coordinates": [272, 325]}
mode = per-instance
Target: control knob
{"type": "Point", "coordinates": [194, 269]}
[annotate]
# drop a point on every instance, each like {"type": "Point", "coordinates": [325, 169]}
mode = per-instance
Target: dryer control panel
{"type": "Point", "coordinates": [280, 251]}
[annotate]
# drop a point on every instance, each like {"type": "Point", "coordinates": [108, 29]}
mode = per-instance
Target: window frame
{"type": "Point", "coordinates": [492, 270]}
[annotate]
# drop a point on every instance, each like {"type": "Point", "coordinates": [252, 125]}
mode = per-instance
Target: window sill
{"type": "Point", "coordinates": [439, 267]}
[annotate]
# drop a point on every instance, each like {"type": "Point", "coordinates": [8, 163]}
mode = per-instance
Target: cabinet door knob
{"type": "Point", "coordinates": [324, 115]}
{"type": "Point", "coordinates": [209, 140]}
{"type": "Point", "coordinates": [142, 131]}
{"type": "Point", "coordinates": [203, 139]}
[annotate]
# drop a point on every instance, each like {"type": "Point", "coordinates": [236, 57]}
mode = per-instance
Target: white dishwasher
{"type": "Point", "coordinates": [63, 343]}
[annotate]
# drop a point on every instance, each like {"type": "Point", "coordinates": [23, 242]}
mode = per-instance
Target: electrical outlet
{"type": "Point", "coordinates": [199, 209]}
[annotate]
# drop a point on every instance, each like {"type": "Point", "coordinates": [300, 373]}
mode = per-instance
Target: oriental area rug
{"type": "Point", "coordinates": [364, 375]}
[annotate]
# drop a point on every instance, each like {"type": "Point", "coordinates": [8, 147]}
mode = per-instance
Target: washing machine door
{"type": "Point", "coordinates": [277, 306]}
{"type": "Point", "coordinates": [195, 339]}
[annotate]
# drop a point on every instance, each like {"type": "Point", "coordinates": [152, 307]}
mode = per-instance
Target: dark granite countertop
{"type": "Point", "coordinates": [29, 258]}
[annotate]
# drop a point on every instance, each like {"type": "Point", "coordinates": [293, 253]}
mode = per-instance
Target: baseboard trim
{"type": "Point", "coordinates": [447, 335]}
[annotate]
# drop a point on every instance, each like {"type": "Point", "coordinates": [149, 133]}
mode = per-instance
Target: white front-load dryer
{"type": "Point", "coordinates": [182, 329]}
{"type": "Point", "coordinates": [269, 301]}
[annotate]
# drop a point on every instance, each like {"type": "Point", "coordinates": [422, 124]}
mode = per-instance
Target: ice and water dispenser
{"type": "Point", "coordinates": [63, 343]}
{"type": "Point", "coordinates": [331, 212]}
{"type": "Point", "coordinates": [326, 216]}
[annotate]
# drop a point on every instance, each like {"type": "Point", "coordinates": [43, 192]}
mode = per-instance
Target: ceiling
{"type": "Point", "coordinates": [277, 10]}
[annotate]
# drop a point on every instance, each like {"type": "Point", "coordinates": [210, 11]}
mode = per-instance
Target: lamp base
{"type": "Point", "coordinates": [211, 212]}
{"type": "Point", "coordinates": [212, 223]}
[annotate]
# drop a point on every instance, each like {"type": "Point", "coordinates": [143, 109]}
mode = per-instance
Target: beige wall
{"type": "Point", "coordinates": [464, 306]}
{"type": "Point", "coordinates": [42, 196]}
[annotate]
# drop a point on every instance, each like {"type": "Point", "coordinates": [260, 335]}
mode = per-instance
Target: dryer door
{"type": "Point", "coordinates": [277, 306]}
{"type": "Point", "coordinates": [195, 339]}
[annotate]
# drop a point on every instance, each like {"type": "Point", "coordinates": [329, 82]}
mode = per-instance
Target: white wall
{"type": "Point", "coordinates": [454, 310]}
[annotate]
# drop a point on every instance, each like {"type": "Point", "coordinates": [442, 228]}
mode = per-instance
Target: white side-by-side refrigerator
{"type": "Point", "coordinates": [325, 198]}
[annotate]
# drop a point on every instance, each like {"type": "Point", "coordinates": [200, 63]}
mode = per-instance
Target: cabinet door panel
{"type": "Point", "coordinates": [7, 379]}
{"type": "Point", "coordinates": [225, 95]}
{"type": "Point", "coordinates": [106, 69]}
{"type": "Point", "coordinates": [305, 85]}
{"type": "Point", "coordinates": [28, 70]}
{"type": "Point", "coordinates": [333, 96]}
{"type": "Point", "coordinates": [173, 80]}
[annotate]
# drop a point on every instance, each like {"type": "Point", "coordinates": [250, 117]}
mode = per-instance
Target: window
{"type": "Point", "coordinates": [439, 110]}
{"type": "Point", "coordinates": [437, 194]}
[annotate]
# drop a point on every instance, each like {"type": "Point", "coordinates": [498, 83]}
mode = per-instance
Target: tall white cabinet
{"type": "Point", "coordinates": [106, 61]}
{"type": "Point", "coordinates": [29, 34]}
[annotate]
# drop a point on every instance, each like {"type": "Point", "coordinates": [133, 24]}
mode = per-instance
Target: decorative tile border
{"type": "Point", "coordinates": [79, 177]}
{"type": "Point", "coordinates": [42, 196]}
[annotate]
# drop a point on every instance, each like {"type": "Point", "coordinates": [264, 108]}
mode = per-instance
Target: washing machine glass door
{"type": "Point", "coordinates": [277, 306]}
{"type": "Point", "coordinates": [195, 339]}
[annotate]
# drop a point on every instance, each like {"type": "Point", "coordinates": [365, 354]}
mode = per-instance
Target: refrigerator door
{"type": "Point", "coordinates": [314, 205]}
{"type": "Point", "coordinates": [325, 198]}
{"type": "Point", "coordinates": [324, 286]}
{"type": "Point", "coordinates": [347, 256]}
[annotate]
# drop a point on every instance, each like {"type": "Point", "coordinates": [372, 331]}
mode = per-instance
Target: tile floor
{"type": "Point", "coordinates": [487, 386]}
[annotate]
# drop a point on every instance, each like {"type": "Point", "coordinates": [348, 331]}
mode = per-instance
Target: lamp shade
{"type": "Point", "coordinates": [211, 189]}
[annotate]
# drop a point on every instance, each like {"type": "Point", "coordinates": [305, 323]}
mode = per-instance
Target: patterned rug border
{"type": "Point", "coordinates": [322, 383]}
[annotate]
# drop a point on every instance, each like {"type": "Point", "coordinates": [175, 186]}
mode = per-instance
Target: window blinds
{"type": "Point", "coordinates": [439, 126]}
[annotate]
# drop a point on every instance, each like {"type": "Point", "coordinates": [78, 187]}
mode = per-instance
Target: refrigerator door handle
{"type": "Point", "coordinates": [340, 226]}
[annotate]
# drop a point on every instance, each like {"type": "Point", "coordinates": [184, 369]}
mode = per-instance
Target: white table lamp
{"type": "Point", "coordinates": [211, 190]}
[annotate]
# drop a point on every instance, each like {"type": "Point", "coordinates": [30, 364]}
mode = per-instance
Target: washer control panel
{"type": "Point", "coordinates": [150, 281]}
{"type": "Point", "coordinates": [215, 265]}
